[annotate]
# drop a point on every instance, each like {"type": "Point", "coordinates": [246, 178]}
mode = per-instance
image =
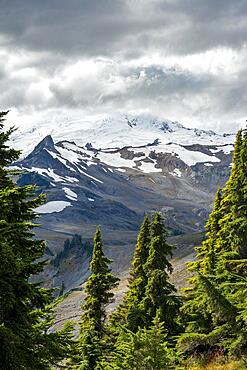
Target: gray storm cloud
{"type": "Point", "coordinates": [182, 59]}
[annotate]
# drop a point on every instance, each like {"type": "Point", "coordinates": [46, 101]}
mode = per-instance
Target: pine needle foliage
{"type": "Point", "coordinates": [149, 287]}
{"type": "Point", "coordinates": [129, 312]}
{"type": "Point", "coordinates": [215, 303]}
{"type": "Point", "coordinates": [25, 308]}
{"type": "Point", "coordinates": [146, 349]}
{"type": "Point", "coordinates": [160, 294]}
{"type": "Point", "coordinates": [99, 287]}
{"type": "Point", "coordinates": [98, 291]}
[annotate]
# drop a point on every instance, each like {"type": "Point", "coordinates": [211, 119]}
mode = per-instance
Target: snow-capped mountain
{"type": "Point", "coordinates": [111, 171]}
{"type": "Point", "coordinates": [126, 142]}
{"type": "Point", "coordinates": [117, 131]}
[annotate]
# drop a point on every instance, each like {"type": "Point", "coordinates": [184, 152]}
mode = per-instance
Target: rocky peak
{"type": "Point", "coordinates": [46, 143]}
{"type": "Point", "coordinates": [44, 155]}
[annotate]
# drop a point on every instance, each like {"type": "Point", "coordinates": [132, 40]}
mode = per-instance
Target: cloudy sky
{"type": "Point", "coordinates": [179, 59]}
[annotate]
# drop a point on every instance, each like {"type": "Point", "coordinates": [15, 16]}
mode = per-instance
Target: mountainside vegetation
{"type": "Point", "coordinates": [26, 341]}
{"type": "Point", "coordinates": [155, 327]}
{"type": "Point", "coordinates": [74, 246]}
{"type": "Point", "coordinates": [215, 303]}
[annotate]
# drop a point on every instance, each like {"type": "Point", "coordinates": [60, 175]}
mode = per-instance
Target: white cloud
{"type": "Point", "coordinates": [184, 60]}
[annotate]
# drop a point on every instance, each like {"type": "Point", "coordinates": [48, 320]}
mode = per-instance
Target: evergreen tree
{"type": "Point", "coordinates": [146, 349]}
{"type": "Point", "coordinates": [149, 287]}
{"type": "Point", "coordinates": [25, 314]}
{"type": "Point", "coordinates": [7, 154]}
{"type": "Point", "coordinates": [216, 301]}
{"type": "Point", "coordinates": [207, 252]}
{"type": "Point", "coordinates": [237, 226]}
{"type": "Point", "coordinates": [196, 303]}
{"type": "Point", "coordinates": [129, 312]}
{"type": "Point", "coordinates": [99, 286]}
{"type": "Point", "coordinates": [98, 295]}
{"type": "Point", "coordinates": [228, 238]}
{"type": "Point", "coordinates": [160, 294]}
{"type": "Point", "coordinates": [140, 257]}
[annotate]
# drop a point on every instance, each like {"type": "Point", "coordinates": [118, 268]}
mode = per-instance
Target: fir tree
{"type": "Point", "coordinates": [160, 293]}
{"type": "Point", "coordinates": [196, 302]}
{"type": "Point", "coordinates": [140, 258]}
{"type": "Point", "coordinates": [145, 349]}
{"type": "Point", "coordinates": [99, 286]}
{"type": "Point", "coordinates": [215, 302]}
{"type": "Point", "coordinates": [228, 239]}
{"type": "Point", "coordinates": [98, 295]}
{"type": "Point", "coordinates": [25, 316]}
{"type": "Point", "coordinates": [239, 206]}
{"type": "Point", "coordinates": [7, 154]}
{"type": "Point", "coordinates": [129, 312]}
{"type": "Point", "coordinates": [207, 252]}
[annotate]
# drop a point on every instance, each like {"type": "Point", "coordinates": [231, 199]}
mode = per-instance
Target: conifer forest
{"type": "Point", "coordinates": [156, 326]}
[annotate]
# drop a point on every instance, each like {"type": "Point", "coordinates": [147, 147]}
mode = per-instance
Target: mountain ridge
{"type": "Point", "coordinates": [174, 171]}
{"type": "Point", "coordinates": [116, 129]}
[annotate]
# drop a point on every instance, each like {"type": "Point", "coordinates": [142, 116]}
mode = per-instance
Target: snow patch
{"type": "Point", "coordinates": [53, 206]}
{"type": "Point", "coordinates": [148, 167]}
{"type": "Point", "coordinates": [226, 149]}
{"type": "Point", "coordinates": [69, 154]}
{"type": "Point", "coordinates": [176, 172]}
{"type": "Point", "coordinates": [46, 172]}
{"type": "Point", "coordinates": [60, 159]}
{"type": "Point", "coordinates": [187, 156]}
{"type": "Point", "coordinates": [71, 179]}
{"type": "Point", "coordinates": [115, 160]}
{"type": "Point", "coordinates": [91, 177]}
{"type": "Point", "coordinates": [121, 169]}
{"type": "Point", "coordinates": [70, 194]}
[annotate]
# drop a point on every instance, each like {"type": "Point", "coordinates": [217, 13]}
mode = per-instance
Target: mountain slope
{"type": "Point", "coordinates": [112, 172]}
